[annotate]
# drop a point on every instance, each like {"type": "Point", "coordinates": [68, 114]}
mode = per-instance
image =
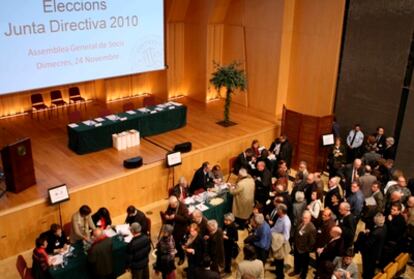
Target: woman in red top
{"type": "Point", "coordinates": [102, 218]}
{"type": "Point", "coordinates": [41, 260]}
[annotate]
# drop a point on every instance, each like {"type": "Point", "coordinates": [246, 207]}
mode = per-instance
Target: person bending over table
{"type": "Point", "coordinates": [56, 240]}
{"type": "Point", "coordinates": [102, 218]}
{"type": "Point", "coordinates": [82, 225]}
{"type": "Point", "coordinates": [201, 180]}
{"type": "Point", "coordinates": [100, 256]}
{"type": "Point", "coordinates": [135, 215]}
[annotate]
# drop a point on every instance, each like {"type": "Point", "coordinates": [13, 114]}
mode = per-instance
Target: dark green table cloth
{"type": "Point", "coordinates": [85, 139]}
{"type": "Point", "coordinates": [217, 212]}
{"type": "Point", "coordinates": [77, 266]}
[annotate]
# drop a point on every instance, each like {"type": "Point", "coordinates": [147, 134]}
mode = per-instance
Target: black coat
{"type": "Point", "coordinates": [138, 218]}
{"type": "Point", "coordinates": [54, 241]}
{"type": "Point", "coordinates": [199, 246]}
{"type": "Point", "coordinates": [180, 221]}
{"type": "Point", "coordinates": [332, 250]}
{"type": "Point", "coordinates": [328, 197]}
{"type": "Point", "coordinates": [371, 244]}
{"type": "Point", "coordinates": [216, 249]}
{"type": "Point", "coordinates": [200, 180]}
{"type": "Point", "coordinates": [241, 162]}
{"type": "Point", "coordinates": [348, 226]}
{"type": "Point", "coordinates": [389, 153]}
{"type": "Point", "coordinates": [346, 176]}
{"type": "Point", "coordinates": [285, 153]}
{"type": "Point", "coordinates": [201, 273]}
{"type": "Point", "coordinates": [137, 252]}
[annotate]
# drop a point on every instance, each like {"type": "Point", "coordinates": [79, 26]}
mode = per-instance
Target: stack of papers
{"type": "Point", "coordinates": [112, 117]}
{"type": "Point", "coordinates": [56, 259]}
{"type": "Point", "coordinates": [144, 110]}
{"type": "Point", "coordinates": [89, 122]}
{"type": "Point", "coordinates": [73, 125]}
{"type": "Point", "coordinates": [130, 112]}
{"type": "Point", "coordinates": [99, 119]}
{"type": "Point", "coordinates": [124, 231]}
{"type": "Point", "coordinates": [202, 207]}
{"type": "Point", "coordinates": [189, 200]}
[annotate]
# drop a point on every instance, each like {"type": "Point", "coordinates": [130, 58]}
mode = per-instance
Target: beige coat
{"type": "Point", "coordinates": [243, 197]}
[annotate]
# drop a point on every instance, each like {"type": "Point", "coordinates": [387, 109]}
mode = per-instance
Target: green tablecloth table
{"type": "Point", "coordinates": [77, 266]}
{"type": "Point", "coordinates": [217, 212]}
{"type": "Point", "coordinates": [85, 139]}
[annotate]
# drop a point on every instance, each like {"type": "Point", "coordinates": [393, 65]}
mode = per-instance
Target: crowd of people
{"type": "Point", "coordinates": [314, 222]}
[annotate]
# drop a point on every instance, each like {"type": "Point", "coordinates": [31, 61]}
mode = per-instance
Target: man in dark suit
{"type": "Point", "coordinates": [390, 150]}
{"type": "Point", "coordinates": [350, 173]}
{"type": "Point", "coordinates": [137, 216]}
{"type": "Point", "coordinates": [137, 253]}
{"type": "Point", "coordinates": [177, 216]}
{"type": "Point", "coordinates": [243, 161]}
{"type": "Point", "coordinates": [285, 153]}
{"type": "Point", "coordinates": [334, 248]}
{"type": "Point", "coordinates": [180, 190]}
{"type": "Point", "coordinates": [333, 185]}
{"type": "Point", "coordinates": [100, 256]}
{"type": "Point", "coordinates": [347, 224]}
{"type": "Point", "coordinates": [324, 231]}
{"type": "Point", "coordinates": [304, 239]}
{"type": "Point", "coordinates": [380, 140]}
{"type": "Point", "coordinates": [201, 179]}
{"type": "Point", "coordinates": [263, 182]}
{"type": "Point", "coordinates": [370, 243]}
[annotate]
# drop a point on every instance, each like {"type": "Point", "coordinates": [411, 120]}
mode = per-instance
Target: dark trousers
{"type": "Point", "coordinates": [228, 255]}
{"type": "Point", "coordinates": [368, 266]}
{"type": "Point", "coordinates": [241, 223]}
{"type": "Point", "coordinates": [178, 246]}
{"type": "Point", "coordinates": [140, 273]}
{"type": "Point", "coordinates": [261, 254]}
{"type": "Point", "coordinates": [280, 265]}
{"type": "Point", "coordinates": [301, 263]}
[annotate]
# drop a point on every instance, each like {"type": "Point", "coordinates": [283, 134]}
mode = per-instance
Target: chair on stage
{"type": "Point", "coordinates": [232, 160]}
{"type": "Point", "coordinates": [75, 96]}
{"type": "Point", "coordinates": [24, 271]}
{"type": "Point", "coordinates": [74, 116]}
{"type": "Point", "coordinates": [148, 101]}
{"type": "Point", "coordinates": [57, 100]}
{"type": "Point", "coordinates": [128, 106]}
{"type": "Point", "coordinates": [38, 104]}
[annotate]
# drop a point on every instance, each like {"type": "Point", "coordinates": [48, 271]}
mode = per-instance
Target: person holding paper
{"type": "Point", "coordinates": [82, 225]}
{"type": "Point", "coordinates": [41, 260]}
{"type": "Point", "coordinates": [56, 240]}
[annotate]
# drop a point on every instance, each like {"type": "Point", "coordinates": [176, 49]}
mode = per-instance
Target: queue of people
{"type": "Point", "coordinates": [317, 225]}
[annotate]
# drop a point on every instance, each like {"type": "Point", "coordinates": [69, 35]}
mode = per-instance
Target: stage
{"type": "Point", "coordinates": [99, 178]}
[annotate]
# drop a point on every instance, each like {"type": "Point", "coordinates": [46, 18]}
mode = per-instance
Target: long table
{"type": "Point", "coordinates": [77, 266]}
{"type": "Point", "coordinates": [89, 138]}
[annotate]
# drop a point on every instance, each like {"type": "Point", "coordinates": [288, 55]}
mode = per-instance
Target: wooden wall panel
{"type": "Point", "coordinates": [116, 193]}
{"type": "Point", "coordinates": [314, 55]}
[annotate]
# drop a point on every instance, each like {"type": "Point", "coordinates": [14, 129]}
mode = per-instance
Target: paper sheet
{"type": "Point", "coordinates": [73, 125]}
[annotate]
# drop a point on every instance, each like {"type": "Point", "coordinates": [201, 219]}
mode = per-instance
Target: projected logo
{"type": "Point", "coordinates": [148, 55]}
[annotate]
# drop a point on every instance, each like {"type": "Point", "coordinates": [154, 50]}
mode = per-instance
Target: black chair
{"type": "Point", "coordinates": [75, 96]}
{"type": "Point", "coordinates": [57, 100]}
{"type": "Point", "coordinates": [38, 104]}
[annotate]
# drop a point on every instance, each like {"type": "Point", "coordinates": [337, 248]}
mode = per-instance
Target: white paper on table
{"type": "Point", "coordinates": [175, 103]}
{"type": "Point", "coordinates": [109, 232]}
{"type": "Point", "coordinates": [128, 238]}
{"type": "Point", "coordinates": [122, 229]}
{"type": "Point", "coordinates": [153, 111]}
{"type": "Point", "coordinates": [73, 125]}
{"type": "Point", "coordinates": [112, 117]}
{"type": "Point", "coordinates": [57, 259]}
{"type": "Point", "coordinates": [89, 122]}
{"type": "Point", "coordinates": [130, 112]}
{"type": "Point", "coordinates": [202, 207]}
{"type": "Point", "coordinates": [223, 186]}
{"type": "Point", "coordinates": [261, 148]}
{"type": "Point", "coordinates": [189, 200]}
{"type": "Point", "coordinates": [171, 107]}
{"type": "Point", "coordinates": [143, 110]}
{"type": "Point", "coordinates": [99, 119]}
{"type": "Point", "coordinates": [211, 194]}
{"type": "Point", "coordinates": [161, 105]}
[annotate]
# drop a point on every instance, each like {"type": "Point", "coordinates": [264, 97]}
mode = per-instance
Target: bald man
{"type": "Point", "coordinates": [100, 256]}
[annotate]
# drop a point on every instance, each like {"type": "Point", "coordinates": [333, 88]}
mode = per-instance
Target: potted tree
{"type": "Point", "coordinates": [232, 78]}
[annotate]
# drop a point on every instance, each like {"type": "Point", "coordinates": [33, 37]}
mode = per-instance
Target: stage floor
{"type": "Point", "coordinates": [56, 164]}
